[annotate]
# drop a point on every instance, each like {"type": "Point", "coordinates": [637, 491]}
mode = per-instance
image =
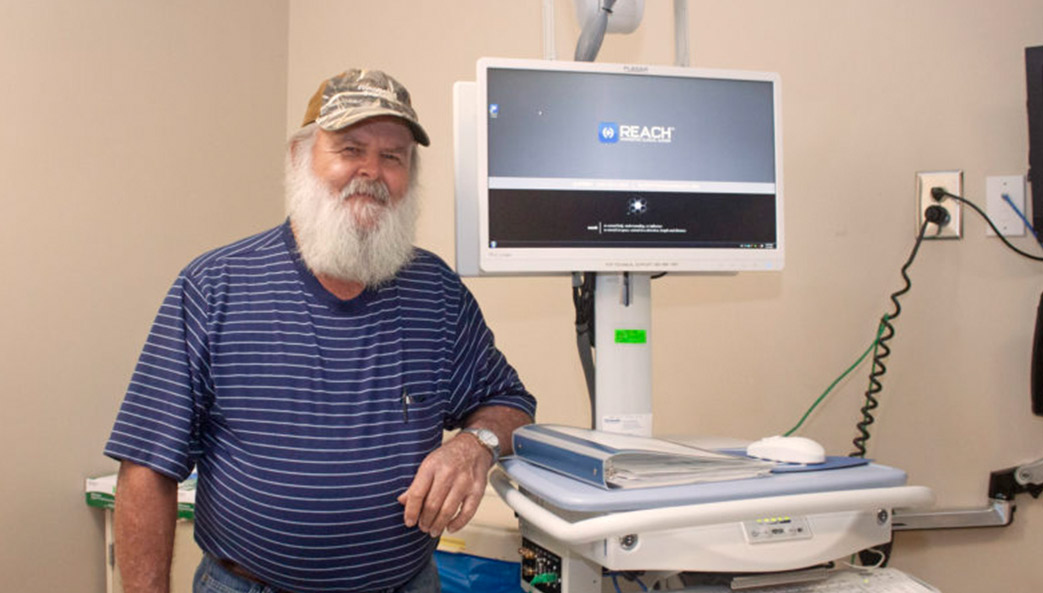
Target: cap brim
{"type": "Point", "coordinates": [343, 120]}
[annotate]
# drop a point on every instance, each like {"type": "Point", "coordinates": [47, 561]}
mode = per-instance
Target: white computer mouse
{"type": "Point", "coordinates": [787, 449]}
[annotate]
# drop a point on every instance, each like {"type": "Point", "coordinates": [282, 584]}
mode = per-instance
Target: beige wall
{"type": "Point", "coordinates": [135, 135]}
{"type": "Point", "coordinates": [870, 96]}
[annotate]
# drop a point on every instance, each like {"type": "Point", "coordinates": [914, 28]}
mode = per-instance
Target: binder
{"type": "Point", "coordinates": [612, 460]}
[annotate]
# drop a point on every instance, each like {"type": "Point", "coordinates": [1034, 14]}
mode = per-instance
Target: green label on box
{"type": "Point", "coordinates": [631, 336]}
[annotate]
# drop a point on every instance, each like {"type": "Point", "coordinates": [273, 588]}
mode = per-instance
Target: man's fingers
{"type": "Point", "coordinates": [459, 506]}
{"type": "Point", "coordinates": [413, 497]}
{"type": "Point", "coordinates": [434, 503]}
{"type": "Point", "coordinates": [467, 511]}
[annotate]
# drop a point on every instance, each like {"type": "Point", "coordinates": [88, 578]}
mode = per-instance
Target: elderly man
{"type": "Point", "coordinates": [308, 373]}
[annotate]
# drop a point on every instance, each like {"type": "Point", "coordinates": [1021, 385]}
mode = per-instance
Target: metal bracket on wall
{"type": "Point", "coordinates": [1004, 485]}
{"type": "Point", "coordinates": [999, 514]}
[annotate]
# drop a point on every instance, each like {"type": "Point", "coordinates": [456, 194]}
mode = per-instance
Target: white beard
{"type": "Point", "coordinates": [365, 240]}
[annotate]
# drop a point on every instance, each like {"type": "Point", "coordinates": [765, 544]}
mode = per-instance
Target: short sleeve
{"type": "Point", "coordinates": [481, 374]}
{"type": "Point", "coordinates": [158, 421]}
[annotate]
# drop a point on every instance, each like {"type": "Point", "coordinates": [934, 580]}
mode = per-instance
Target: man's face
{"type": "Point", "coordinates": [374, 150]}
{"type": "Point", "coordinates": [351, 200]}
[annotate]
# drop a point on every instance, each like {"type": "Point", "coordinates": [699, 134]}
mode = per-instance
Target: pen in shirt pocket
{"type": "Point", "coordinates": [406, 400]}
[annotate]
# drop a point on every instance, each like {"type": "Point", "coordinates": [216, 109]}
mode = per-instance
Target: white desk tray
{"type": "Point", "coordinates": [606, 513]}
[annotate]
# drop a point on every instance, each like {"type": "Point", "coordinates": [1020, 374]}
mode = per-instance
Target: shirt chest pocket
{"type": "Point", "coordinates": [422, 400]}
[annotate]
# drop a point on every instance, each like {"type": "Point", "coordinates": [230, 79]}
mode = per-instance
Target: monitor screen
{"type": "Point", "coordinates": [607, 167]}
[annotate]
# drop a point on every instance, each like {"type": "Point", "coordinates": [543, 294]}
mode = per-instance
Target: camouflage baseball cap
{"type": "Point", "coordinates": [355, 95]}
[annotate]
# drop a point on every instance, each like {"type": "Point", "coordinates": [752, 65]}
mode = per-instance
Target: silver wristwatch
{"type": "Point", "coordinates": [488, 439]}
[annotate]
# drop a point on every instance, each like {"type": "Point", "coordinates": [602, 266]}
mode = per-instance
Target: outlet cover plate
{"type": "Point", "coordinates": [952, 181]}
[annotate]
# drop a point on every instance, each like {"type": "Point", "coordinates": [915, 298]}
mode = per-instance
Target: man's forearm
{"type": "Point", "coordinates": [146, 512]}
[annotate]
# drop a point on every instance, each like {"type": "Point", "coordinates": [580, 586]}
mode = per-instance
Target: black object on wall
{"type": "Point", "coordinates": [1034, 78]}
{"type": "Point", "coordinates": [1036, 378]}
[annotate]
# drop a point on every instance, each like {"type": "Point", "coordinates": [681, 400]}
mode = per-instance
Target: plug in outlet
{"type": "Point", "coordinates": [952, 182]}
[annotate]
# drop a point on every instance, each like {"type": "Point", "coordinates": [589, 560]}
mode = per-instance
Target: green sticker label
{"type": "Point", "coordinates": [631, 336]}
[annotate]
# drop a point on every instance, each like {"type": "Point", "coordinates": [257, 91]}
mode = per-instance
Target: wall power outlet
{"type": "Point", "coordinates": [952, 182]}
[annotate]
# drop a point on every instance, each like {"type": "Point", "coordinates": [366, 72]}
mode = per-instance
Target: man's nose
{"type": "Point", "coordinates": [369, 166]}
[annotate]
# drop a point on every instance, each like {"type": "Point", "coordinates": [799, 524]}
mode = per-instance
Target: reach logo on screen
{"type": "Point", "coordinates": [608, 132]}
{"type": "Point", "coordinates": [611, 132]}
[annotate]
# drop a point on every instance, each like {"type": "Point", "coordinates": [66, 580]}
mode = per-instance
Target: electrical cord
{"type": "Point", "coordinates": [880, 562]}
{"type": "Point", "coordinates": [857, 363]}
{"type": "Point", "coordinates": [934, 214]}
{"type": "Point", "coordinates": [543, 578]}
{"type": "Point", "coordinates": [583, 302]}
{"type": "Point", "coordinates": [939, 193]}
{"type": "Point", "coordinates": [628, 575]}
{"type": "Point", "coordinates": [885, 331]}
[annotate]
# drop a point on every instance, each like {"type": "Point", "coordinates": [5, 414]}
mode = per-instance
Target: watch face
{"type": "Point", "coordinates": [488, 437]}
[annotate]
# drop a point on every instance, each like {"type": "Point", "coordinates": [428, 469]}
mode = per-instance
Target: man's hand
{"type": "Point", "coordinates": [448, 486]}
{"type": "Point", "coordinates": [451, 480]}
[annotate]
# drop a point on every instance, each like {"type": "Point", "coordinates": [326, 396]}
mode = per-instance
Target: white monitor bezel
{"type": "Point", "coordinates": [556, 260]}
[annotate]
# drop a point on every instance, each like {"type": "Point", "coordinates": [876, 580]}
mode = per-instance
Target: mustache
{"type": "Point", "coordinates": [367, 187]}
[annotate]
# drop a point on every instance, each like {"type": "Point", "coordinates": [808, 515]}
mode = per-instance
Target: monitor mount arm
{"type": "Point", "coordinates": [1004, 485]}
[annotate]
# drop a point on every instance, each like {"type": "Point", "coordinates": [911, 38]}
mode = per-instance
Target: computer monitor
{"type": "Point", "coordinates": [599, 167]}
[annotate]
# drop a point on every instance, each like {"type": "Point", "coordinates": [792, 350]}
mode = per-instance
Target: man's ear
{"type": "Point", "coordinates": [295, 147]}
{"type": "Point", "coordinates": [302, 140]}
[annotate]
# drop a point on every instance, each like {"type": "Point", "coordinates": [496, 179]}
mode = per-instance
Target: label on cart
{"type": "Point", "coordinates": [776, 529]}
{"type": "Point", "coordinates": [634, 424]}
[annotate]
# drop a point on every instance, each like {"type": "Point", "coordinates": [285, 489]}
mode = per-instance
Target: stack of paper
{"type": "Point", "coordinates": [625, 461]}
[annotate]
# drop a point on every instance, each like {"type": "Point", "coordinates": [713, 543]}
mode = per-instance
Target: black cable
{"type": "Point", "coordinates": [939, 192]}
{"type": "Point", "coordinates": [878, 556]}
{"type": "Point", "coordinates": [936, 215]}
{"type": "Point", "coordinates": [583, 302]}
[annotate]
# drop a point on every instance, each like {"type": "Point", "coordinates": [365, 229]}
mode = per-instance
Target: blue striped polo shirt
{"type": "Point", "coordinates": [307, 416]}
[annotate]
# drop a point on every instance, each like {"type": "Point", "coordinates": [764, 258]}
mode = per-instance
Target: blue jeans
{"type": "Point", "coordinates": [211, 577]}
